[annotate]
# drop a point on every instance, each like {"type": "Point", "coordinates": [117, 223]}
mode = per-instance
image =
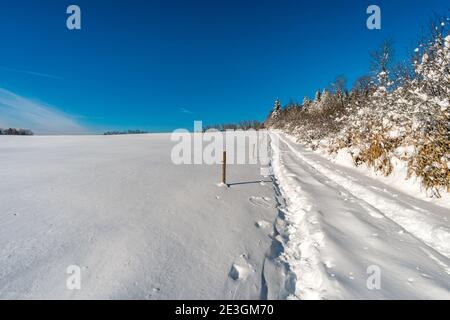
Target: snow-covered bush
{"type": "Point", "coordinates": [385, 115]}
{"type": "Point", "coordinates": [429, 95]}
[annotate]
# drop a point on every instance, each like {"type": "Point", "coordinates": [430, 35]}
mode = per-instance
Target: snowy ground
{"type": "Point", "coordinates": [338, 225]}
{"type": "Point", "coordinates": [137, 225]}
{"type": "Point", "coordinates": [141, 227]}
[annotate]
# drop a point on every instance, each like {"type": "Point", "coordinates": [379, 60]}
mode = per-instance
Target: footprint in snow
{"type": "Point", "coordinates": [261, 202]}
{"type": "Point", "coordinates": [240, 270]}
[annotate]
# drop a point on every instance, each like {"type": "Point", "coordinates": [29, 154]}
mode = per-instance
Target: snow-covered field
{"type": "Point", "coordinates": [339, 227]}
{"type": "Point", "coordinates": [138, 226]}
{"type": "Point", "coordinates": [141, 227]}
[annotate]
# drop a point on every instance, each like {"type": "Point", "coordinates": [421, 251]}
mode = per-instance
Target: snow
{"type": "Point", "coordinates": [340, 224]}
{"type": "Point", "coordinates": [138, 226]}
{"type": "Point", "coordinates": [141, 227]}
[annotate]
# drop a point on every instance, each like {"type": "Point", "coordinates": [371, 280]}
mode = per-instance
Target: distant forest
{"type": "Point", "coordinates": [15, 132]}
{"type": "Point", "coordinates": [243, 125]}
{"type": "Point", "coordinates": [113, 133]}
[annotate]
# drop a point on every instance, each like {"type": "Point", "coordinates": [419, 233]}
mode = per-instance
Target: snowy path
{"type": "Point", "coordinates": [335, 223]}
{"type": "Point", "coordinates": [138, 226]}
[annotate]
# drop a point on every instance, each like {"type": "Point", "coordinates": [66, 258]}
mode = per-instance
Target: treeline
{"type": "Point", "coordinates": [243, 125]}
{"type": "Point", "coordinates": [397, 111]}
{"type": "Point", "coordinates": [112, 133]}
{"type": "Point", "coordinates": [15, 132]}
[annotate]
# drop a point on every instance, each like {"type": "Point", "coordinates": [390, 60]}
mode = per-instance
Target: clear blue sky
{"type": "Point", "coordinates": [159, 65]}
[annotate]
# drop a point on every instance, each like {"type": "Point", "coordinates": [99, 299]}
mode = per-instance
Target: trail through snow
{"type": "Point", "coordinates": [338, 226]}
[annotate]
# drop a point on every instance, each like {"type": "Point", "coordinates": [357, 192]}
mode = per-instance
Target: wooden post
{"type": "Point", "coordinates": [224, 168]}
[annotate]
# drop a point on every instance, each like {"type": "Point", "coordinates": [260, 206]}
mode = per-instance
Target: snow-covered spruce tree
{"type": "Point", "coordinates": [274, 116]}
{"type": "Point", "coordinates": [317, 96]}
{"type": "Point", "coordinates": [306, 103]}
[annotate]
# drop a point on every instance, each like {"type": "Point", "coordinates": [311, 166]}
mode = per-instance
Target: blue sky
{"type": "Point", "coordinates": [160, 65]}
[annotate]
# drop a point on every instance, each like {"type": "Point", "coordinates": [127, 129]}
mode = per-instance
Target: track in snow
{"type": "Point", "coordinates": [336, 223]}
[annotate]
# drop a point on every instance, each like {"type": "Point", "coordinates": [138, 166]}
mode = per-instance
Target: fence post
{"type": "Point", "coordinates": [224, 168]}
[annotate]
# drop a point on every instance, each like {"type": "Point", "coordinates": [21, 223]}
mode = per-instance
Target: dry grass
{"type": "Point", "coordinates": [432, 159]}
